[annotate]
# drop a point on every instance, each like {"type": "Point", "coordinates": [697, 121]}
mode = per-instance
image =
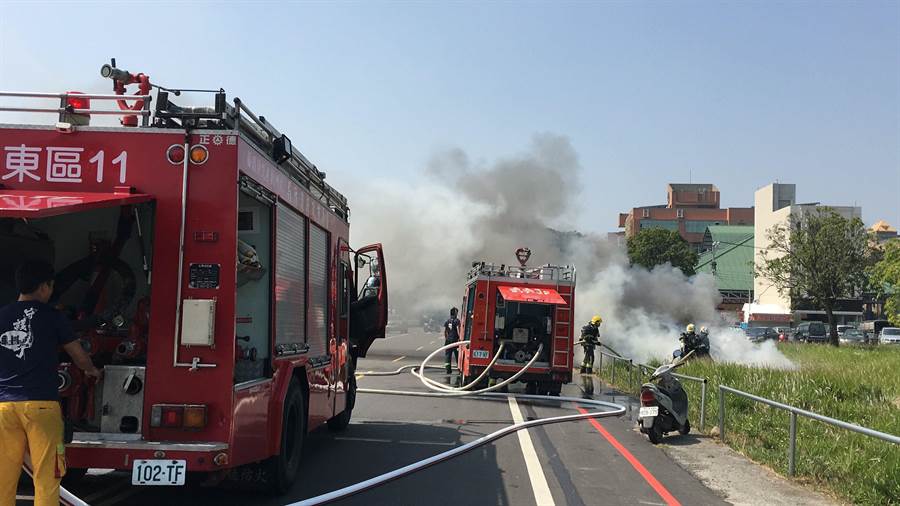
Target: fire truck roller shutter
{"type": "Point", "coordinates": [290, 278]}
{"type": "Point", "coordinates": [317, 338]}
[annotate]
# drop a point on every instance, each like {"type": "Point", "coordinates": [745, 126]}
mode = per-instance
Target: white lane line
{"type": "Point", "coordinates": [539, 484]}
{"type": "Point", "coordinates": [399, 358]}
{"type": "Point", "coordinates": [419, 348]}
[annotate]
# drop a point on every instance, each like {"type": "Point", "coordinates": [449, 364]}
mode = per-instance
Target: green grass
{"type": "Point", "coordinates": [853, 384]}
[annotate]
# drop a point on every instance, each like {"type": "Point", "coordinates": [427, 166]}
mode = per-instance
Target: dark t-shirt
{"type": "Point", "coordinates": [30, 335]}
{"type": "Point", "coordinates": [452, 328]}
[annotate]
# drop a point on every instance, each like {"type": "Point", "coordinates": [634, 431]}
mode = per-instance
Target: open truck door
{"type": "Point", "coordinates": [369, 313]}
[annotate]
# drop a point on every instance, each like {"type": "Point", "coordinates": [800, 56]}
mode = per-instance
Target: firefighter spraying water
{"type": "Point", "coordinates": [590, 338]}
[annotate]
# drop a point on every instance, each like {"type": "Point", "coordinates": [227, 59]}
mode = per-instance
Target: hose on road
{"type": "Point", "coordinates": [603, 410]}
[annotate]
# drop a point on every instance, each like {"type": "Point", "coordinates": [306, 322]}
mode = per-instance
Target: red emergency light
{"type": "Point", "coordinates": [75, 103]}
{"type": "Point", "coordinates": [78, 102]}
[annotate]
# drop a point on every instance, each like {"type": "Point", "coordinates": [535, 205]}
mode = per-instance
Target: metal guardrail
{"type": "Point", "coordinates": [642, 368]}
{"type": "Point", "coordinates": [795, 411]}
{"type": "Point", "coordinates": [64, 108]}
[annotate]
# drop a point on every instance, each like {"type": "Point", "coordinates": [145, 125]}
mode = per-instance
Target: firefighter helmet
{"type": "Point", "coordinates": [690, 328]}
{"type": "Point", "coordinates": [596, 320]}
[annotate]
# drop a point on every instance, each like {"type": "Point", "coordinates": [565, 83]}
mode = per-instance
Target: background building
{"type": "Point", "coordinates": [775, 204]}
{"type": "Point", "coordinates": [689, 210]}
{"type": "Point", "coordinates": [728, 256]}
{"type": "Point", "coordinates": [883, 232]}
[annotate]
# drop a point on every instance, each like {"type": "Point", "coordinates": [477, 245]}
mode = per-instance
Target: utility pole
{"type": "Point", "coordinates": [715, 245]}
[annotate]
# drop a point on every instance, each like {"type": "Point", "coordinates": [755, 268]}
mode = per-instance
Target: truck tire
{"type": "Point", "coordinates": [342, 420]}
{"type": "Point", "coordinates": [552, 388]}
{"type": "Point", "coordinates": [286, 465]}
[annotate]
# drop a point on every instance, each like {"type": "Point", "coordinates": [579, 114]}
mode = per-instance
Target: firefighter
{"type": "Point", "coordinates": [30, 416]}
{"type": "Point", "coordinates": [590, 337]}
{"type": "Point", "coordinates": [451, 335]}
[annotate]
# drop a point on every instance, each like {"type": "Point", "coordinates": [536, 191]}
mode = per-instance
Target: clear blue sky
{"type": "Point", "coordinates": [739, 94]}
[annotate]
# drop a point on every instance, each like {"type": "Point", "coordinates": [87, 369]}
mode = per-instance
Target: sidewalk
{"type": "Point", "coordinates": [736, 478]}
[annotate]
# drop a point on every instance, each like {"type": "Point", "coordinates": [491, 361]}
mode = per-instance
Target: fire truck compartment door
{"type": "Point", "coordinates": [41, 204]}
{"type": "Point", "coordinates": [529, 294]}
{"type": "Point", "coordinates": [369, 313]}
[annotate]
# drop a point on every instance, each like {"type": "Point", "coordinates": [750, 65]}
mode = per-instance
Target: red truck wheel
{"type": "Point", "coordinates": [286, 465]}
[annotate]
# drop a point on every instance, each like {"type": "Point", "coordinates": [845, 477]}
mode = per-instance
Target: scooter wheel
{"type": "Point", "coordinates": [655, 434]}
{"type": "Point", "coordinates": [685, 429]}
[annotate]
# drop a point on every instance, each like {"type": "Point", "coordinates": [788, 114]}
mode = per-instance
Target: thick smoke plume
{"type": "Point", "coordinates": [462, 211]}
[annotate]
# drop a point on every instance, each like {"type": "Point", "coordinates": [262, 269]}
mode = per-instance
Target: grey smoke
{"type": "Point", "coordinates": [462, 211]}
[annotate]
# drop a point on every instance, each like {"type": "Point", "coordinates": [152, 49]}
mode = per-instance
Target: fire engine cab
{"type": "Point", "coordinates": [516, 315]}
{"type": "Point", "coordinates": [204, 263]}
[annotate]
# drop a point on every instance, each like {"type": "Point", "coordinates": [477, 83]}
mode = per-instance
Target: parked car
{"type": "Point", "coordinates": [890, 335]}
{"type": "Point", "coordinates": [760, 334]}
{"type": "Point", "coordinates": [872, 329]}
{"type": "Point", "coordinates": [852, 336]}
{"type": "Point", "coordinates": [812, 332]}
{"type": "Point", "coordinates": [843, 328]}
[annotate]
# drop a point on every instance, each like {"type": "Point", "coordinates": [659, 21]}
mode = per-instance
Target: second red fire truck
{"type": "Point", "coordinates": [519, 312]}
{"type": "Point", "coordinates": [205, 264]}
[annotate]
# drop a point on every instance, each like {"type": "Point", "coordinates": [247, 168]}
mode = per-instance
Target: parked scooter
{"type": "Point", "coordinates": [664, 405]}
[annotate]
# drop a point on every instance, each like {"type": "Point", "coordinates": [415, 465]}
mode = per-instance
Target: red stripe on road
{"type": "Point", "coordinates": [635, 463]}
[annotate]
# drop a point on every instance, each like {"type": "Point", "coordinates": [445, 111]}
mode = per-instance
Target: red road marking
{"type": "Point", "coordinates": [635, 463]}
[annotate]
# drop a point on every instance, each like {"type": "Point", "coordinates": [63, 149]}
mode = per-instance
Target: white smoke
{"type": "Point", "coordinates": [459, 212]}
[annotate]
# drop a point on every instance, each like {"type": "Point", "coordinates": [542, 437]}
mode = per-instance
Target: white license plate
{"type": "Point", "coordinates": [647, 411]}
{"type": "Point", "coordinates": [158, 472]}
{"type": "Point", "coordinates": [480, 354]}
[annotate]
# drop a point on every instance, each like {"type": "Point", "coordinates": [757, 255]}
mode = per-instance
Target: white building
{"type": "Point", "coordinates": [774, 204]}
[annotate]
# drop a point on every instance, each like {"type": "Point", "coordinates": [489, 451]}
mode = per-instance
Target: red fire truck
{"type": "Point", "coordinates": [204, 264]}
{"type": "Point", "coordinates": [527, 310]}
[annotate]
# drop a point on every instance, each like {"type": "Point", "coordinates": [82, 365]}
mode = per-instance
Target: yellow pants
{"type": "Point", "coordinates": [38, 427]}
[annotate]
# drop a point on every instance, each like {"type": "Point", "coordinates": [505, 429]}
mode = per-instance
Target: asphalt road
{"type": "Point", "coordinates": [574, 463]}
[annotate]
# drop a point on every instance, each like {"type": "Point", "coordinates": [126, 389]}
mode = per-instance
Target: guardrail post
{"type": "Point", "coordinates": [613, 374]}
{"type": "Point", "coordinates": [702, 404]}
{"type": "Point", "coordinates": [792, 445]}
{"type": "Point", "coordinates": [630, 375]}
{"type": "Point", "coordinates": [721, 414]}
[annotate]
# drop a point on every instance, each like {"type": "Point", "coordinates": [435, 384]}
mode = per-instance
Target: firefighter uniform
{"type": "Point", "coordinates": [451, 335]}
{"type": "Point", "coordinates": [590, 337]}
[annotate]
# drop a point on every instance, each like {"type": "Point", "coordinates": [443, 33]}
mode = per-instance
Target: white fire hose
{"type": "Point", "coordinates": [607, 409]}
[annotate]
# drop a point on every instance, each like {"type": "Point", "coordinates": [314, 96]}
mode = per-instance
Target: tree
{"type": "Point", "coordinates": [884, 278]}
{"type": "Point", "coordinates": [656, 246]}
{"type": "Point", "coordinates": [818, 255]}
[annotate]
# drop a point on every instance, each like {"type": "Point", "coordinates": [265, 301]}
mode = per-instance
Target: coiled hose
{"type": "Point", "coordinates": [602, 410]}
